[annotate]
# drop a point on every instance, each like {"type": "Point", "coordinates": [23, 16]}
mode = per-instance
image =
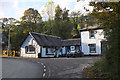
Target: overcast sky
{"type": "Point", "coordinates": [16, 8]}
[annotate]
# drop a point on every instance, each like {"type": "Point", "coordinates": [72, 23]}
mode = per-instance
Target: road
{"type": "Point", "coordinates": [20, 68]}
{"type": "Point", "coordinates": [46, 67]}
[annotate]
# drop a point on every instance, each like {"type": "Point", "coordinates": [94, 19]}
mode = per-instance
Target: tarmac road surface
{"type": "Point", "coordinates": [21, 68]}
{"type": "Point", "coordinates": [46, 67]}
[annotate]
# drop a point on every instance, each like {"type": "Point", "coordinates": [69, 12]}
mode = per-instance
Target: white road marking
{"type": "Point", "coordinates": [44, 66]}
{"type": "Point", "coordinates": [41, 63]}
{"type": "Point", "coordinates": [43, 74]}
{"type": "Point", "coordinates": [44, 70]}
{"type": "Point", "coordinates": [38, 62]}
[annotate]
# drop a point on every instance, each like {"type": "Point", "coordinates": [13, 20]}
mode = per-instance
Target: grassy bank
{"type": "Point", "coordinates": [99, 71]}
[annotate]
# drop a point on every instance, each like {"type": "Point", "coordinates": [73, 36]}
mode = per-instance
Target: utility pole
{"type": "Point", "coordinates": [9, 40]}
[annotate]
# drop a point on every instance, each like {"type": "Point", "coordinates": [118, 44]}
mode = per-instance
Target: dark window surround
{"type": "Point", "coordinates": [91, 34]}
{"type": "Point", "coordinates": [30, 49]}
{"type": "Point", "coordinates": [93, 46]}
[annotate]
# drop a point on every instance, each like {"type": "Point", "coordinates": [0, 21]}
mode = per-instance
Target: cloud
{"type": "Point", "coordinates": [63, 3]}
{"type": "Point", "coordinates": [16, 8]}
{"type": "Point", "coordinates": [4, 7]}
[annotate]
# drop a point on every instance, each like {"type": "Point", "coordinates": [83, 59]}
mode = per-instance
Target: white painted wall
{"type": "Point", "coordinates": [30, 41]}
{"type": "Point", "coordinates": [85, 40]}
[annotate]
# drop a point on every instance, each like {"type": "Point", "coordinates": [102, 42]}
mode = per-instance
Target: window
{"type": "Point", "coordinates": [92, 48]}
{"type": "Point", "coordinates": [50, 51]}
{"type": "Point", "coordinates": [26, 49]}
{"type": "Point", "coordinates": [92, 34]}
{"type": "Point", "coordinates": [29, 49]}
{"type": "Point", "coordinates": [77, 48]}
{"type": "Point", "coordinates": [72, 48]}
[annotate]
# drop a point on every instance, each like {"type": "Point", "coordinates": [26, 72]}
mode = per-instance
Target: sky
{"type": "Point", "coordinates": [16, 8]}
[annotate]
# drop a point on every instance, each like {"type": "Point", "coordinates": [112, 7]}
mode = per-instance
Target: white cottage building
{"type": "Point", "coordinates": [40, 45]}
{"type": "Point", "coordinates": [70, 45]}
{"type": "Point", "coordinates": [91, 38]}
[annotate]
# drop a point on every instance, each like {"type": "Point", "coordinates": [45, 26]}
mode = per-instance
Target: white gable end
{"type": "Point", "coordinates": [30, 41]}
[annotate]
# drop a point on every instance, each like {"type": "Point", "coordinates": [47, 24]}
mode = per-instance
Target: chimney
{"type": "Point", "coordinates": [85, 25]}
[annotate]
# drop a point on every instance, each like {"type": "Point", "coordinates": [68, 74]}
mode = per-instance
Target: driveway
{"type": "Point", "coordinates": [67, 67]}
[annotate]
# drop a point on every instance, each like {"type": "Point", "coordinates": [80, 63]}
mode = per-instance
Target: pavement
{"type": "Point", "coordinates": [46, 67]}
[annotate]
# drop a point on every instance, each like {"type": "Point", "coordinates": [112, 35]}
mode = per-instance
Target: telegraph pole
{"type": "Point", "coordinates": [9, 40]}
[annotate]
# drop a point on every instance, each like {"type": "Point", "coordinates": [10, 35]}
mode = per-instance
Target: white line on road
{"type": "Point", "coordinates": [44, 70]}
{"type": "Point", "coordinates": [43, 74]}
{"type": "Point", "coordinates": [44, 66]}
{"type": "Point", "coordinates": [38, 62]}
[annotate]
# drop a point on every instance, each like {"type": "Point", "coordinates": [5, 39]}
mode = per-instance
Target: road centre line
{"type": "Point", "coordinates": [44, 70]}
{"type": "Point", "coordinates": [43, 74]}
{"type": "Point", "coordinates": [44, 66]}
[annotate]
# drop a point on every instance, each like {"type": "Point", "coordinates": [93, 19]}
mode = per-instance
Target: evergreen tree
{"type": "Point", "coordinates": [58, 13]}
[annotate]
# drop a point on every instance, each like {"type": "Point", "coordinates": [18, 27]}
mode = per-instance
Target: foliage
{"type": "Point", "coordinates": [75, 16]}
{"type": "Point", "coordinates": [108, 13]}
{"type": "Point", "coordinates": [59, 25]}
{"type": "Point", "coordinates": [97, 71]}
{"type": "Point", "coordinates": [49, 10]}
{"type": "Point", "coordinates": [65, 14]}
{"type": "Point", "coordinates": [58, 13]}
{"type": "Point", "coordinates": [31, 16]}
{"type": "Point", "coordinates": [62, 29]}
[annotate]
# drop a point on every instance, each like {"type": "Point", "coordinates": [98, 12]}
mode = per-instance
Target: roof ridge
{"type": "Point", "coordinates": [71, 39]}
{"type": "Point", "coordinates": [45, 34]}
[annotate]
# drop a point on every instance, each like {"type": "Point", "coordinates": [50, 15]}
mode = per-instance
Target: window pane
{"type": "Point", "coordinates": [31, 48]}
{"type": "Point", "coordinates": [92, 48]}
{"type": "Point", "coordinates": [26, 49]}
{"type": "Point", "coordinates": [91, 33]}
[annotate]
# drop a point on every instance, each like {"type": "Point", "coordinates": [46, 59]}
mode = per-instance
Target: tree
{"type": "Point", "coordinates": [49, 10]}
{"type": "Point", "coordinates": [62, 29]}
{"type": "Point", "coordinates": [31, 19]}
{"type": "Point", "coordinates": [65, 15]}
{"type": "Point", "coordinates": [75, 16]}
{"type": "Point", "coordinates": [108, 13]}
{"type": "Point", "coordinates": [31, 16]}
{"type": "Point", "coordinates": [58, 13]}
{"type": "Point", "coordinates": [3, 22]}
{"type": "Point", "coordinates": [6, 22]}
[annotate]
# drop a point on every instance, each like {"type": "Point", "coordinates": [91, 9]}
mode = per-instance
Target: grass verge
{"type": "Point", "coordinates": [97, 71]}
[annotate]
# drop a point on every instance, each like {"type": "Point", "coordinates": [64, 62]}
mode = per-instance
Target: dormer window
{"type": "Point", "coordinates": [92, 34]}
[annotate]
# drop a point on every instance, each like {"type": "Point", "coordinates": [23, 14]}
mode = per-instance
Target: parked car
{"type": "Point", "coordinates": [75, 54]}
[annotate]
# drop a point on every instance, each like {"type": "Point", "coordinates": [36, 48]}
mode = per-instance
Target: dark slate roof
{"type": "Point", "coordinates": [46, 40]}
{"type": "Point", "coordinates": [71, 42]}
